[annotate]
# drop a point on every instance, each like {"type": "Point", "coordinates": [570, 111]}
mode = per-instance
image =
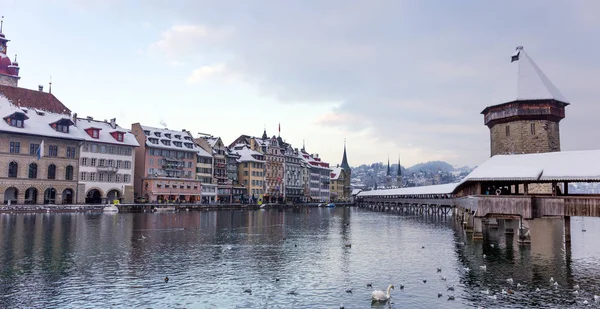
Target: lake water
{"type": "Point", "coordinates": [288, 259]}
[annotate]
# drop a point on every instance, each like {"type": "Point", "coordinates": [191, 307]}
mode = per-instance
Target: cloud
{"type": "Point", "coordinates": [411, 72]}
{"type": "Point", "coordinates": [204, 72]}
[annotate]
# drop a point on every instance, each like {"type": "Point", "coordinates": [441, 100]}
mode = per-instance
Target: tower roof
{"type": "Point", "coordinates": [388, 167]}
{"type": "Point", "coordinates": [532, 83]}
{"type": "Point", "coordinates": [345, 164]}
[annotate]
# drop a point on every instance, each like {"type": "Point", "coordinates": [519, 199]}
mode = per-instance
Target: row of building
{"type": "Point", "coordinates": [49, 155]}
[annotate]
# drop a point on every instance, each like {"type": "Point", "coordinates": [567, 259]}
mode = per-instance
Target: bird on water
{"type": "Point", "coordinates": [380, 296]}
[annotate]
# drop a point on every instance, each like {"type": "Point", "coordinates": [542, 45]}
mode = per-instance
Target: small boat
{"type": "Point", "coordinates": [111, 208]}
{"type": "Point", "coordinates": [331, 205]}
{"type": "Point", "coordinates": [163, 209]}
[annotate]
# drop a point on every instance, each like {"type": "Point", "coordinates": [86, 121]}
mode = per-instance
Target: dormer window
{"type": "Point", "coordinates": [178, 144]}
{"type": "Point", "coordinates": [187, 138]}
{"type": "Point", "coordinates": [17, 119]}
{"type": "Point", "coordinates": [117, 135]}
{"type": "Point", "coordinates": [147, 132]}
{"type": "Point", "coordinates": [177, 136]}
{"type": "Point", "coordinates": [61, 125]}
{"type": "Point", "coordinates": [188, 145]}
{"type": "Point", "coordinates": [153, 140]}
{"type": "Point", "coordinates": [165, 142]}
{"type": "Point", "coordinates": [168, 135]}
{"type": "Point", "coordinates": [93, 132]}
{"type": "Point", "coordinates": [157, 134]}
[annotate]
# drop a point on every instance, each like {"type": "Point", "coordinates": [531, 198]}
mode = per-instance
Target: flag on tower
{"type": "Point", "coordinates": [515, 56]}
{"type": "Point", "coordinates": [40, 151]}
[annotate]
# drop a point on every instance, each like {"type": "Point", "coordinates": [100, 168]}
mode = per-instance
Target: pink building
{"type": "Point", "coordinates": [165, 169]}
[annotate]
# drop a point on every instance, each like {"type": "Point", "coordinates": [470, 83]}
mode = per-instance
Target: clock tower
{"type": "Point", "coordinates": [9, 70]}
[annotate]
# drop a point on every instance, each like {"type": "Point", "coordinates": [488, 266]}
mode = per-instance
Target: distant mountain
{"type": "Point", "coordinates": [431, 167]}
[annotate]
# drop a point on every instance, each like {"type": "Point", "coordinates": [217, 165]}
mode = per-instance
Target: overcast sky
{"type": "Point", "coordinates": [392, 77]}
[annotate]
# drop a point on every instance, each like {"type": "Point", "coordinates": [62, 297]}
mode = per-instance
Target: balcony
{"type": "Point", "coordinates": [172, 167]}
{"type": "Point", "coordinates": [107, 169]}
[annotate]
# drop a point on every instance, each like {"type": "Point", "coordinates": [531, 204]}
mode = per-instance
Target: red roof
{"type": "Point", "coordinates": [33, 99]}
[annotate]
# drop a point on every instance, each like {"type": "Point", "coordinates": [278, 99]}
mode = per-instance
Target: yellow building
{"type": "Point", "coordinates": [251, 172]}
{"type": "Point", "coordinates": [337, 185]}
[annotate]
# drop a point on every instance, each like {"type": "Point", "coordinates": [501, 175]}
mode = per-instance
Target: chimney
{"type": "Point", "coordinates": [41, 88]}
{"type": "Point", "coordinates": [75, 118]}
{"type": "Point", "coordinates": [113, 123]}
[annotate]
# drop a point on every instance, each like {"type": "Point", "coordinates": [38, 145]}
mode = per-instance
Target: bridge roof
{"type": "Point", "coordinates": [551, 166]}
{"type": "Point", "coordinates": [435, 189]}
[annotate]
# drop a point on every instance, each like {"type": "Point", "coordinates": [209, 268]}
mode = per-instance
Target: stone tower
{"type": "Point", "coordinates": [348, 179]}
{"type": "Point", "coordinates": [9, 70]}
{"type": "Point", "coordinates": [528, 124]}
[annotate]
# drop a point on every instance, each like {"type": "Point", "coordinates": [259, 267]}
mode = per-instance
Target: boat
{"type": "Point", "coordinates": [111, 208]}
{"type": "Point", "coordinates": [330, 205]}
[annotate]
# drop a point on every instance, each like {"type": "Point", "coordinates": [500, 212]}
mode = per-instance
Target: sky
{"type": "Point", "coordinates": [393, 78]}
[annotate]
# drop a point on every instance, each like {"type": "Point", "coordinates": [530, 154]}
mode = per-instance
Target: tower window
{"type": "Point", "coordinates": [507, 130]}
{"type": "Point", "coordinates": [533, 129]}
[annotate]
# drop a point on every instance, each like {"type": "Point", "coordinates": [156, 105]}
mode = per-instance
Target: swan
{"type": "Point", "coordinates": [484, 267]}
{"type": "Point", "coordinates": [380, 295]}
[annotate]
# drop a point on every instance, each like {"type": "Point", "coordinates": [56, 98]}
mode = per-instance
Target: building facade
{"type": "Point", "coordinates": [165, 169]}
{"type": "Point", "coordinates": [294, 191]}
{"type": "Point", "coordinates": [274, 170]}
{"type": "Point", "coordinates": [204, 173]}
{"type": "Point", "coordinates": [251, 171]}
{"type": "Point", "coordinates": [338, 182]}
{"type": "Point", "coordinates": [107, 159]}
{"type": "Point", "coordinates": [39, 156]}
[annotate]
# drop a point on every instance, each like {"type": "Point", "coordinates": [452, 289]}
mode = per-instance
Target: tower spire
{"type": "Point", "coordinates": [388, 167]}
{"type": "Point", "coordinates": [399, 173]}
{"type": "Point", "coordinates": [1, 24]}
{"type": "Point", "coordinates": [50, 83]}
{"type": "Point", "coordinates": [345, 164]}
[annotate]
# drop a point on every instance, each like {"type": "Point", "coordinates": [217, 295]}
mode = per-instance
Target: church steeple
{"type": "Point", "coordinates": [399, 174]}
{"type": "Point", "coordinates": [264, 136]}
{"type": "Point", "coordinates": [388, 168]}
{"type": "Point", "coordinates": [345, 164]}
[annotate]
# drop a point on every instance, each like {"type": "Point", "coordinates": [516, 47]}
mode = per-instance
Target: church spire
{"type": "Point", "coordinates": [399, 174]}
{"type": "Point", "coordinates": [388, 168]}
{"type": "Point", "coordinates": [345, 164]}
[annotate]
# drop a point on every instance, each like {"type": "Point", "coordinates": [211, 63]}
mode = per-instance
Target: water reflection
{"type": "Point", "coordinates": [302, 258]}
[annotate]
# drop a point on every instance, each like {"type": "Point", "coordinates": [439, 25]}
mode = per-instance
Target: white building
{"type": "Point", "coordinates": [106, 163]}
{"type": "Point", "coordinates": [319, 177]}
{"type": "Point", "coordinates": [204, 173]}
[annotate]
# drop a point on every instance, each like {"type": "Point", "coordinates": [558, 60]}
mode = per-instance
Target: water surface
{"type": "Point", "coordinates": [288, 259]}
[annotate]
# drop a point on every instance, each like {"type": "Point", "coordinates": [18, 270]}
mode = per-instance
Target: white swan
{"type": "Point", "coordinates": [378, 295]}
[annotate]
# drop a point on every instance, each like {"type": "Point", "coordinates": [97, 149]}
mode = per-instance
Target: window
{"type": "Point", "coordinates": [109, 177]}
{"type": "Point", "coordinates": [92, 176]}
{"type": "Point", "coordinates": [111, 149]}
{"type": "Point", "coordinates": [82, 176]}
{"type": "Point", "coordinates": [118, 178]}
{"type": "Point", "coordinates": [95, 133]}
{"type": "Point", "coordinates": [15, 147]}
{"type": "Point", "coordinates": [126, 178]}
{"type": "Point", "coordinates": [84, 161]}
{"type": "Point", "coordinates": [127, 164]}
{"type": "Point", "coordinates": [51, 171]}
{"type": "Point", "coordinates": [532, 129]}
{"type": "Point", "coordinates": [146, 132]}
{"type": "Point", "coordinates": [62, 128]}
{"type": "Point", "coordinates": [102, 148]}
{"type": "Point", "coordinates": [53, 151]}
{"type": "Point", "coordinates": [32, 171]}
{"type": "Point", "coordinates": [507, 130]}
{"type": "Point", "coordinates": [33, 148]}
{"type": "Point", "coordinates": [71, 152]}
{"type": "Point", "coordinates": [69, 172]}
{"type": "Point", "coordinates": [101, 177]}
{"type": "Point", "coordinates": [119, 163]}
{"type": "Point", "coordinates": [85, 148]}
{"type": "Point", "coordinates": [101, 163]}
{"type": "Point", "coordinates": [12, 169]}
{"type": "Point", "coordinates": [94, 148]}
{"type": "Point", "coordinates": [15, 122]}
{"type": "Point", "coordinates": [110, 163]}
{"type": "Point", "coordinates": [93, 163]}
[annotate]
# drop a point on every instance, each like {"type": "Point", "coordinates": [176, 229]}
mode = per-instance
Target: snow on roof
{"type": "Point", "coordinates": [246, 154]}
{"type": "Point", "coordinates": [335, 173]}
{"type": "Point", "coordinates": [170, 139]}
{"type": "Point", "coordinates": [202, 153]}
{"type": "Point", "coordinates": [550, 166]}
{"type": "Point", "coordinates": [435, 189]}
{"type": "Point", "coordinates": [533, 84]}
{"type": "Point", "coordinates": [36, 123]}
{"type": "Point", "coordinates": [104, 135]}
{"type": "Point", "coordinates": [211, 141]}
{"type": "Point", "coordinates": [356, 191]}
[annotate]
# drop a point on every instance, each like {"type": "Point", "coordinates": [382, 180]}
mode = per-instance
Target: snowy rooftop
{"type": "Point", "coordinates": [202, 153]}
{"type": "Point", "coordinates": [37, 122]}
{"type": "Point", "coordinates": [335, 173]}
{"type": "Point", "coordinates": [246, 154]}
{"type": "Point", "coordinates": [533, 84]}
{"type": "Point", "coordinates": [104, 135]}
{"type": "Point", "coordinates": [435, 189]}
{"type": "Point", "coordinates": [169, 139]}
{"type": "Point", "coordinates": [551, 166]}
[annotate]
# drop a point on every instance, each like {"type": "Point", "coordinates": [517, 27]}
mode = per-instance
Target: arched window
{"type": "Point", "coordinates": [13, 167]}
{"type": "Point", "coordinates": [69, 172]}
{"type": "Point", "coordinates": [51, 171]}
{"type": "Point", "coordinates": [32, 170]}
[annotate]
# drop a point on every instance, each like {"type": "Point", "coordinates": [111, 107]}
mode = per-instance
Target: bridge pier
{"type": "Point", "coordinates": [510, 226]}
{"type": "Point", "coordinates": [477, 228]}
{"type": "Point", "coordinates": [567, 229]}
